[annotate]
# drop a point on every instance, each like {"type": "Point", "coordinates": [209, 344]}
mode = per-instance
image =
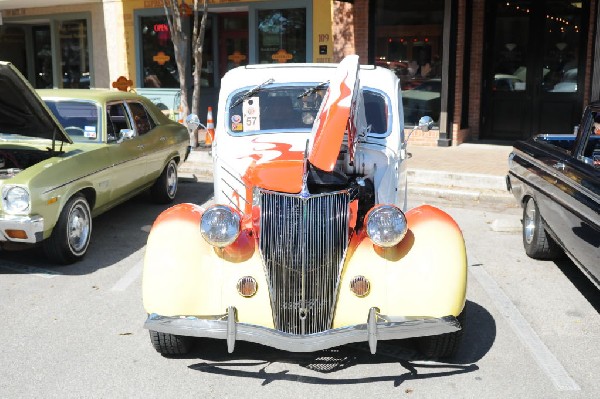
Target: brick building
{"type": "Point", "coordinates": [486, 70]}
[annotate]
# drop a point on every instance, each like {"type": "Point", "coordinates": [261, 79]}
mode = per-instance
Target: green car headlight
{"type": "Point", "coordinates": [15, 199]}
{"type": "Point", "coordinates": [220, 225]}
{"type": "Point", "coordinates": [386, 225]}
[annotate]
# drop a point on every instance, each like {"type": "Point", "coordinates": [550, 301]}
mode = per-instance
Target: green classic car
{"type": "Point", "coordinates": [75, 155]}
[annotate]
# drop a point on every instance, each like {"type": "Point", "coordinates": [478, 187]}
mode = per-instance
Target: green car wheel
{"type": "Point", "coordinates": [71, 235]}
{"type": "Point", "coordinates": [165, 188]}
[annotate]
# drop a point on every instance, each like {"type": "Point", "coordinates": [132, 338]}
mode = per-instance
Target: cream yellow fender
{"type": "Point", "coordinates": [423, 276]}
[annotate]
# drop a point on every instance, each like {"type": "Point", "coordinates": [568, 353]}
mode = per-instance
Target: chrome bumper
{"type": "Point", "coordinates": [33, 226]}
{"type": "Point", "coordinates": [378, 327]}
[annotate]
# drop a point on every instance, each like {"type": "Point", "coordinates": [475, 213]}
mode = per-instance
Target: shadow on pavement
{"type": "Point", "coordinates": [116, 235]}
{"type": "Point", "coordinates": [580, 281]}
{"type": "Point", "coordinates": [478, 339]}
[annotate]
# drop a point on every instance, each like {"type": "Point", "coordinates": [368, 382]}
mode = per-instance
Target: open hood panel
{"type": "Point", "coordinates": [22, 111]}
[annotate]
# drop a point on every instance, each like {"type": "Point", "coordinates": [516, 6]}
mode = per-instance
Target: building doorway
{"type": "Point", "coordinates": [534, 67]}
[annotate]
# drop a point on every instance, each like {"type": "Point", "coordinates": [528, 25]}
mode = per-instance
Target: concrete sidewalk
{"type": "Point", "coordinates": [474, 172]}
{"type": "Point", "coordinates": [468, 172]}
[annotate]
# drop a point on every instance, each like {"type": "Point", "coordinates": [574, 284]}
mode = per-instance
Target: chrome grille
{"type": "Point", "coordinates": [303, 242]}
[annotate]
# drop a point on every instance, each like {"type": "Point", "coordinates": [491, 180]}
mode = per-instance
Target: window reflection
{"type": "Point", "coordinates": [43, 57]}
{"type": "Point", "coordinates": [282, 35]}
{"type": "Point", "coordinates": [158, 54]}
{"type": "Point", "coordinates": [561, 46]}
{"type": "Point", "coordinates": [74, 54]}
{"type": "Point", "coordinates": [409, 42]}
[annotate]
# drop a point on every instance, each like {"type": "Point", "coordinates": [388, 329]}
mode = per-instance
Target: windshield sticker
{"type": "Point", "coordinates": [236, 123]}
{"type": "Point", "coordinates": [89, 132]}
{"type": "Point", "coordinates": [251, 114]}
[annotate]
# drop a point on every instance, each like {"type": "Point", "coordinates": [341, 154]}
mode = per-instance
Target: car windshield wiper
{"type": "Point", "coordinates": [311, 90]}
{"type": "Point", "coordinates": [252, 92]}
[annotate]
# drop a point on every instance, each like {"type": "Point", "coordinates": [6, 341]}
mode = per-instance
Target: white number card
{"type": "Point", "coordinates": [251, 114]}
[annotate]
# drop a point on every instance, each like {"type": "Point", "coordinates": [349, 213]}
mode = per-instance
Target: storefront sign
{"type": "Point", "coordinates": [236, 57]}
{"type": "Point", "coordinates": [161, 58]}
{"type": "Point", "coordinates": [122, 83]}
{"type": "Point", "coordinates": [161, 28]}
{"type": "Point", "coordinates": [282, 56]}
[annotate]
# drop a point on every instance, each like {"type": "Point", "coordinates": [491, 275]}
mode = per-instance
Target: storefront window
{"type": "Point", "coordinates": [13, 46]}
{"type": "Point", "coordinates": [74, 54]}
{"type": "Point", "coordinates": [43, 57]}
{"type": "Point", "coordinates": [158, 54]}
{"type": "Point", "coordinates": [408, 40]}
{"type": "Point", "coordinates": [282, 35]}
{"type": "Point", "coordinates": [561, 46]}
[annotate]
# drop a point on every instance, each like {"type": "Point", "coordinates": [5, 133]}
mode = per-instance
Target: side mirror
{"type": "Point", "coordinates": [425, 123]}
{"type": "Point", "coordinates": [193, 122]}
{"type": "Point", "coordinates": [125, 134]}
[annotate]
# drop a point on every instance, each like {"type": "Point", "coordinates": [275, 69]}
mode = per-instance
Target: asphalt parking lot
{"type": "Point", "coordinates": [76, 331]}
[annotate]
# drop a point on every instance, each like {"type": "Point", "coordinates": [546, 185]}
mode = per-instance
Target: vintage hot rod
{"type": "Point", "coordinates": [308, 245]}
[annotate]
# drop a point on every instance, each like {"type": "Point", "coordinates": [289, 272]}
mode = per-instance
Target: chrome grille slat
{"type": "Point", "coordinates": [303, 242]}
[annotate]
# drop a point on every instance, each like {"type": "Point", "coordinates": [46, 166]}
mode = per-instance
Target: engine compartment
{"type": "Point", "coordinates": [13, 161]}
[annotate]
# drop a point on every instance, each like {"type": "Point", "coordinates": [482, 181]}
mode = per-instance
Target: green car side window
{"type": "Point", "coordinates": [116, 120]}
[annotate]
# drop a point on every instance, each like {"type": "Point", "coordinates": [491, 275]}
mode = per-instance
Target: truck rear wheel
{"type": "Point", "coordinates": [169, 344]}
{"type": "Point", "coordinates": [538, 244]}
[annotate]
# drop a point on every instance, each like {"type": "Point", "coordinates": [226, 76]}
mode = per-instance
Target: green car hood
{"type": "Point", "coordinates": [22, 111]}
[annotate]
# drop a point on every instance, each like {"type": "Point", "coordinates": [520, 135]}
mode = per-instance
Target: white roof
{"type": "Point", "coordinates": [252, 75]}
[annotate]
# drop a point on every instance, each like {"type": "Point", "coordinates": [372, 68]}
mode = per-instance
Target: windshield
{"type": "Point", "coordinates": [290, 109]}
{"type": "Point", "coordinates": [79, 118]}
{"type": "Point", "coordinates": [274, 108]}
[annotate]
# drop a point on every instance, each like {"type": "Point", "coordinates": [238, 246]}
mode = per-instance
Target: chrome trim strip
{"type": "Point", "coordinates": [385, 327]}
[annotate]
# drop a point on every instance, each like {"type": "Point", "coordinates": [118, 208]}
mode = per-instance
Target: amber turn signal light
{"type": "Point", "coordinates": [360, 286]}
{"type": "Point", "coordinates": [247, 286]}
{"type": "Point", "coordinates": [18, 234]}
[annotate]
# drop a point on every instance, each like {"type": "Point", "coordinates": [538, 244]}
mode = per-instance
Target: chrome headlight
{"type": "Point", "coordinates": [386, 225]}
{"type": "Point", "coordinates": [15, 199]}
{"type": "Point", "coordinates": [220, 225]}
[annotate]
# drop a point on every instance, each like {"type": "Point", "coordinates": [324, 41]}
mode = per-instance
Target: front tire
{"type": "Point", "coordinates": [169, 344]}
{"type": "Point", "coordinates": [538, 244]}
{"type": "Point", "coordinates": [71, 236]}
{"type": "Point", "coordinates": [165, 188]}
{"type": "Point", "coordinates": [444, 345]}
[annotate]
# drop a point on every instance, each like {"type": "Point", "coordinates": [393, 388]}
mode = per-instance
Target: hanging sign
{"type": "Point", "coordinates": [122, 83]}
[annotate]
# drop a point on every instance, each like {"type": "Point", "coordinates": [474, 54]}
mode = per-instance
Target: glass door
{"type": "Point", "coordinates": [531, 83]}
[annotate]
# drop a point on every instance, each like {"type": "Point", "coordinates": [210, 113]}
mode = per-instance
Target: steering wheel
{"type": "Point", "coordinates": [75, 128]}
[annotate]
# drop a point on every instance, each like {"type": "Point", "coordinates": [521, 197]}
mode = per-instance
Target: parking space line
{"type": "Point", "coordinates": [133, 274]}
{"type": "Point", "coordinates": [540, 352]}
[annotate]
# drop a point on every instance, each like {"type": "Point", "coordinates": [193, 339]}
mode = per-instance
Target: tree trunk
{"type": "Point", "coordinates": [180, 46]}
{"type": "Point", "coordinates": [197, 51]}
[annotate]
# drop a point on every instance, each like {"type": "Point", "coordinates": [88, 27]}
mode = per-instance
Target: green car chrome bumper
{"type": "Point", "coordinates": [26, 229]}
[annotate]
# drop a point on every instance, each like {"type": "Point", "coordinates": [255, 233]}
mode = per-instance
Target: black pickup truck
{"type": "Point", "coordinates": [556, 179]}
